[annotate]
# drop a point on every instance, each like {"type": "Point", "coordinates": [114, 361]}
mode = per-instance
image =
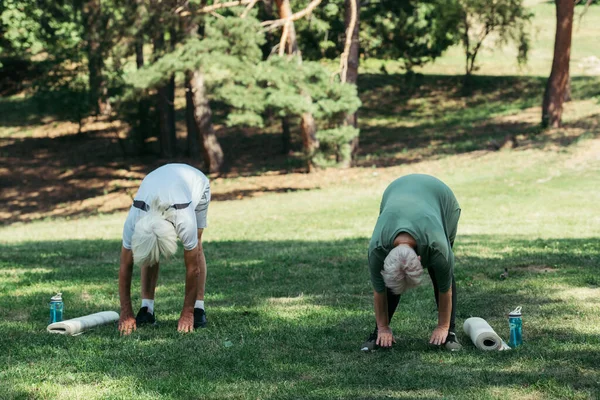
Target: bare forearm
{"type": "Point", "coordinates": [191, 289]}
{"type": "Point", "coordinates": [192, 273]}
{"type": "Point", "coordinates": [445, 309]}
{"type": "Point", "coordinates": [202, 273]}
{"type": "Point", "coordinates": [125, 273]}
{"type": "Point", "coordinates": [381, 312]}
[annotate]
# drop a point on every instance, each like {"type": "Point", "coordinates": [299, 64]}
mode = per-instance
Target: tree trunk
{"type": "Point", "coordinates": [92, 21]}
{"type": "Point", "coordinates": [171, 107]}
{"type": "Point", "coordinates": [286, 136]}
{"type": "Point", "coordinates": [171, 92]}
{"type": "Point", "coordinates": [143, 127]}
{"type": "Point", "coordinates": [192, 129]}
{"type": "Point", "coordinates": [350, 75]}
{"type": "Point", "coordinates": [559, 77]}
{"type": "Point", "coordinates": [308, 125]}
{"type": "Point", "coordinates": [568, 97]}
{"type": "Point", "coordinates": [211, 150]}
{"type": "Point", "coordinates": [164, 106]}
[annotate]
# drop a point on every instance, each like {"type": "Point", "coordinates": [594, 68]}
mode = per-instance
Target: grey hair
{"type": "Point", "coordinates": [402, 269]}
{"type": "Point", "coordinates": [154, 235]}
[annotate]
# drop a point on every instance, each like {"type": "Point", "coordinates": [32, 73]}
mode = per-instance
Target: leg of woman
{"type": "Point", "coordinates": [392, 301]}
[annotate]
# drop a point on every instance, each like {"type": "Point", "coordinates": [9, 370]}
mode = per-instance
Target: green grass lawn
{"type": "Point", "coordinates": [288, 294]}
{"type": "Point", "coordinates": [289, 299]}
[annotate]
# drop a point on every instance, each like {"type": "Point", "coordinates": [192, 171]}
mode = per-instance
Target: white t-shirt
{"type": "Point", "coordinates": [177, 185]}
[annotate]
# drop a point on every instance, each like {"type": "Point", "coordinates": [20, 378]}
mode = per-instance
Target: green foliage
{"type": "Point", "coordinates": [229, 56]}
{"type": "Point", "coordinates": [53, 34]}
{"type": "Point", "coordinates": [30, 28]}
{"type": "Point", "coordinates": [334, 145]}
{"type": "Point", "coordinates": [415, 32]}
{"type": "Point", "coordinates": [337, 136]}
{"type": "Point", "coordinates": [507, 19]}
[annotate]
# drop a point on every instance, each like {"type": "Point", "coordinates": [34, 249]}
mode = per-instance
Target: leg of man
{"type": "Point", "coordinates": [202, 263]}
{"type": "Point", "coordinates": [201, 222]}
{"type": "Point", "coordinates": [199, 312]}
{"type": "Point", "coordinates": [149, 278]}
{"type": "Point", "coordinates": [149, 281]}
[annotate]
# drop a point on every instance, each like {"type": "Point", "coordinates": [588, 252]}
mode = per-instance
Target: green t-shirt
{"type": "Point", "coordinates": [425, 208]}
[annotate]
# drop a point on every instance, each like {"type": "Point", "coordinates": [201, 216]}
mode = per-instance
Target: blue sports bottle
{"type": "Point", "coordinates": [515, 322]}
{"type": "Point", "coordinates": [56, 308]}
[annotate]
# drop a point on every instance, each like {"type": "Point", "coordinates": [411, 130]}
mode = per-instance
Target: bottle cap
{"type": "Point", "coordinates": [57, 297]}
{"type": "Point", "coordinates": [516, 312]}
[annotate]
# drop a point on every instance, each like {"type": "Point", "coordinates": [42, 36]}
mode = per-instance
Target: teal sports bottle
{"type": "Point", "coordinates": [515, 322]}
{"type": "Point", "coordinates": [56, 308]}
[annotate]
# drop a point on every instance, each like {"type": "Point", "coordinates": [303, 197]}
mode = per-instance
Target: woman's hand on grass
{"type": "Point", "coordinates": [439, 335]}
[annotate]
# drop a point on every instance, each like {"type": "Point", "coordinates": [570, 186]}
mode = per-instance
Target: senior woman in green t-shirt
{"type": "Point", "coordinates": [416, 228]}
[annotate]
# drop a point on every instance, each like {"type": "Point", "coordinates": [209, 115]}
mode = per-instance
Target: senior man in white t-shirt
{"type": "Point", "coordinates": [172, 202]}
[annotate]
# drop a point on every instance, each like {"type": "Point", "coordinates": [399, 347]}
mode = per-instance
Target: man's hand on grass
{"type": "Point", "coordinates": [126, 324]}
{"type": "Point", "coordinates": [385, 338]}
{"type": "Point", "coordinates": [186, 321]}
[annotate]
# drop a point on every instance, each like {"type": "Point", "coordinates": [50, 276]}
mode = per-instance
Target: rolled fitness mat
{"type": "Point", "coordinates": [78, 325]}
{"type": "Point", "coordinates": [482, 335]}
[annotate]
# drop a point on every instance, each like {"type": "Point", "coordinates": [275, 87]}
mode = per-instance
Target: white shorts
{"type": "Point", "coordinates": [202, 209]}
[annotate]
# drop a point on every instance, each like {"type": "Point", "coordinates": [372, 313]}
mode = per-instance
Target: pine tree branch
{"type": "Point", "coordinates": [284, 38]}
{"type": "Point", "coordinates": [216, 6]}
{"type": "Point", "coordinates": [348, 43]}
{"type": "Point", "coordinates": [276, 23]}
{"type": "Point", "coordinates": [588, 3]}
{"type": "Point", "coordinates": [248, 8]}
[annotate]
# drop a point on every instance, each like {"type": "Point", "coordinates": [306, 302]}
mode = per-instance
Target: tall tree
{"type": "Point", "coordinates": [142, 130]}
{"type": "Point", "coordinates": [554, 95]}
{"type": "Point", "coordinates": [200, 128]}
{"type": "Point", "coordinates": [349, 68]}
{"type": "Point", "coordinates": [164, 103]}
{"type": "Point", "coordinates": [95, 23]}
{"type": "Point", "coordinates": [211, 149]}
{"type": "Point", "coordinates": [289, 45]}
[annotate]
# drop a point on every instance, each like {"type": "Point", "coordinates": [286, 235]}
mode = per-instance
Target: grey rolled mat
{"type": "Point", "coordinates": [78, 325]}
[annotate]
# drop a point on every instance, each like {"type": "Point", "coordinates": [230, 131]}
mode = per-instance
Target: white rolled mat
{"type": "Point", "coordinates": [482, 335]}
{"type": "Point", "coordinates": [78, 325]}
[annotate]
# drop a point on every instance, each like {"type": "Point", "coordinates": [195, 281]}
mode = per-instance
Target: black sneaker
{"type": "Point", "coordinates": [369, 344]}
{"type": "Point", "coordinates": [143, 317]}
{"type": "Point", "coordinates": [199, 318]}
{"type": "Point", "coordinates": [452, 343]}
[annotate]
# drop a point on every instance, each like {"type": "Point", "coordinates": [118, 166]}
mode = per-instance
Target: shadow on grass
{"type": "Point", "coordinates": [286, 319]}
{"type": "Point", "coordinates": [408, 120]}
